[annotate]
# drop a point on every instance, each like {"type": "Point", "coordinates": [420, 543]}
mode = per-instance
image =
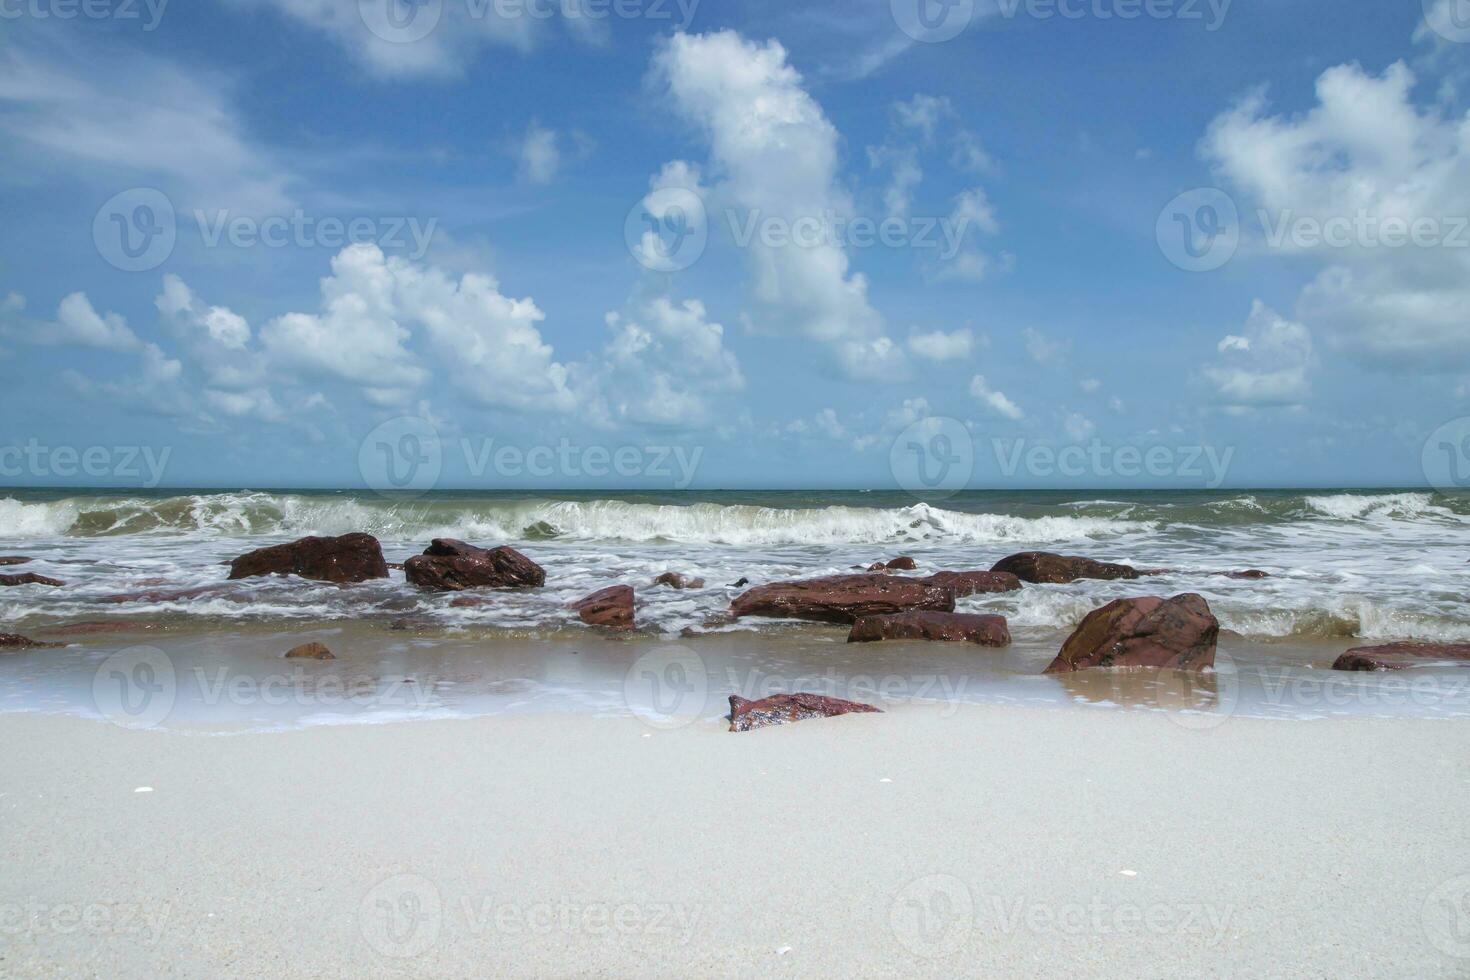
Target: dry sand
{"type": "Point", "coordinates": [993, 842]}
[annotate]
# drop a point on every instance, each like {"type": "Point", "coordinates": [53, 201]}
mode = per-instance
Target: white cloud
{"type": "Point", "coordinates": [1368, 159]}
{"type": "Point", "coordinates": [923, 113]}
{"type": "Point", "coordinates": [1090, 385]}
{"type": "Point", "coordinates": [970, 154]}
{"type": "Point", "coordinates": [78, 324]}
{"type": "Point", "coordinates": [538, 158]}
{"type": "Point", "coordinates": [996, 401]}
{"type": "Point", "coordinates": [1266, 365]}
{"type": "Point", "coordinates": [1078, 426]}
{"type": "Point", "coordinates": [941, 346]}
{"type": "Point", "coordinates": [1042, 349]}
{"type": "Point", "coordinates": [905, 175]}
{"type": "Point", "coordinates": [777, 152]}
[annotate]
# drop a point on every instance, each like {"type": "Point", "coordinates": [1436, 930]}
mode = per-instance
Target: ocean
{"type": "Point", "coordinates": [1344, 566]}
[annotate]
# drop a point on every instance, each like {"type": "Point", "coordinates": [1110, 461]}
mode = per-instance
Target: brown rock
{"type": "Point", "coordinates": [1147, 632]}
{"type": "Point", "coordinates": [162, 595]}
{"type": "Point", "coordinates": [740, 584]}
{"type": "Point", "coordinates": [106, 626]}
{"type": "Point", "coordinates": [1046, 568]}
{"type": "Point", "coordinates": [349, 558]}
{"type": "Point", "coordinates": [1402, 656]}
{"type": "Point", "coordinates": [843, 598]}
{"type": "Point", "coordinates": [14, 641]}
{"type": "Point", "coordinates": [902, 564]}
{"type": "Point", "coordinates": [877, 566]}
{"type": "Point", "coordinates": [1249, 573]}
{"type": "Point", "coordinates": [975, 583]}
{"type": "Point", "coordinates": [782, 709]}
{"type": "Point", "coordinates": [448, 565]}
{"type": "Point", "coordinates": [29, 578]}
{"type": "Point", "coordinates": [310, 651]}
{"type": "Point", "coordinates": [990, 631]}
{"type": "Point", "coordinates": [13, 560]}
{"type": "Point", "coordinates": [677, 580]}
{"type": "Point", "coordinates": [470, 602]}
{"type": "Point", "coordinates": [611, 607]}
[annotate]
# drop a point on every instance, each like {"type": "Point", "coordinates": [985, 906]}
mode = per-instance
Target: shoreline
{"type": "Point", "coordinates": [994, 840]}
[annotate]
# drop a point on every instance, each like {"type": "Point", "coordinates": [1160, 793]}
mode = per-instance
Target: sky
{"type": "Point", "coordinates": [655, 244]}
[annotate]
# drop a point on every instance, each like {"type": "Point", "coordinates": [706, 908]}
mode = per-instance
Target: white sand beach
{"type": "Point", "coordinates": [987, 841]}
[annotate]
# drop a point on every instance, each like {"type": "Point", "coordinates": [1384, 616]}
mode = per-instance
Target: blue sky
{"type": "Point", "coordinates": [498, 300]}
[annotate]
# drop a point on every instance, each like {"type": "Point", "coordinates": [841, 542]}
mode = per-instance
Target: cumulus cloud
{"type": "Point", "coordinates": [778, 155]}
{"type": "Point", "coordinates": [1266, 365]}
{"type": "Point", "coordinates": [941, 346]}
{"type": "Point", "coordinates": [994, 400]}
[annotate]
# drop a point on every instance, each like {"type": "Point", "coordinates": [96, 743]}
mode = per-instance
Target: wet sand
{"type": "Point", "coordinates": [989, 840]}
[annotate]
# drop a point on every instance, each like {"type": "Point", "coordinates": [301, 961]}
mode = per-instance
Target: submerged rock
{"type": "Point", "coordinates": [1249, 573]}
{"type": "Point", "coordinates": [1148, 632]}
{"type": "Point", "coordinates": [782, 709]}
{"type": "Point", "coordinates": [1046, 568]}
{"type": "Point", "coordinates": [103, 626]}
{"type": "Point", "coordinates": [975, 583]}
{"type": "Point", "coordinates": [14, 641]}
{"type": "Point", "coordinates": [1403, 656]}
{"type": "Point", "coordinates": [611, 607]}
{"type": "Point", "coordinates": [29, 578]}
{"type": "Point", "coordinates": [903, 563]}
{"type": "Point", "coordinates": [678, 580]}
{"type": "Point", "coordinates": [448, 565]}
{"type": "Point", "coordinates": [843, 598]}
{"type": "Point", "coordinates": [990, 631]}
{"type": "Point", "coordinates": [168, 595]}
{"type": "Point", "coordinates": [13, 560]}
{"type": "Point", "coordinates": [310, 651]}
{"type": "Point", "coordinates": [347, 559]}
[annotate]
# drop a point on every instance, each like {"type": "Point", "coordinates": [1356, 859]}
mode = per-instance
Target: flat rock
{"type": "Point", "coordinates": [346, 559]}
{"type": "Point", "coordinates": [29, 578]}
{"type": "Point", "coordinates": [102, 626]}
{"type": "Point", "coordinates": [448, 565]}
{"type": "Point", "coordinates": [13, 560]}
{"type": "Point", "coordinates": [975, 583]}
{"type": "Point", "coordinates": [310, 651]}
{"type": "Point", "coordinates": [611, 607]}
{"type": "Point", "coordinates": [1404, 656]}
{"type": "Point", "coordinates": [14, 641]}
{"type": "Point", "coordinates": [1043, 567]}
{"type": "Point", "coordinates": [843, 598]}
{"type": "Point", "coordinates": [1179, 633]}
{"type": "Point", "coordinates": [990, 631]}
{"type": "Point", "coordinates": [782, 709]}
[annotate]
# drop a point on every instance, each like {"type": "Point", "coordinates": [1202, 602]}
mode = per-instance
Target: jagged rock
{"type": "Point", "coordinates": [611, 607]}
{"type": "Point", "coordinates": [1149, 632]}
{"type": "Point", "coordinates": [14, 641]}
{"type": "Point", "coordinates": [448, 565]}
{"type": "Point", "coordinates": [975, 583]}
{"type": "Point", "coordinates": [782, 709]}
{"type": "Point", "coordinates": [990, 631]}
{"type": "Point", "coordinates": [350, 558]}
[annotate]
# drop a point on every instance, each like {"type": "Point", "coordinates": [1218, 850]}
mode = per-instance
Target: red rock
{"type": "Point", "coordinates": [975, 583]}
{"type": "Point", "coordinates": [877, 566]}
{"type": "Point", "coordinates": [107, 626]}
{"type": "Point", "coordinates": [470, 602]}
{"type": "Point", "coordinates": [843, 598]}
{"type": "Point", "coordinates": [346, 559]}
{"type": "Point", "coordinates": [677, 580]}
{"type": "Point", "coordinates": [448, 565]}
{"type": "Point", "coordinates": [990, 631]}
{"type": "Point", "coordinates": [1046, 568]}
{"type": "Point", "coordinates": [13, 560]}
{"type": "Point", "coordinates": [782, 709]}
{"type": "Point", "coordinates": [14, 641]}
{"type": "Point", "coordinates": [611, 607]}
{"type": "Point", "coordinates": [163, 595]}
{"type": "Point", "coordinates": [29, 578]}
{"type": "Point", "coordinates": [1148, 632]}
{"type": "Point", "coordinates": [1402, 656]}
{"type": "Point", "coordinates": [310, 651]}
{"type": "Point", "coordinates": [1249, 573]}
{"type": "Point", "coordinates": [902, 564]}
